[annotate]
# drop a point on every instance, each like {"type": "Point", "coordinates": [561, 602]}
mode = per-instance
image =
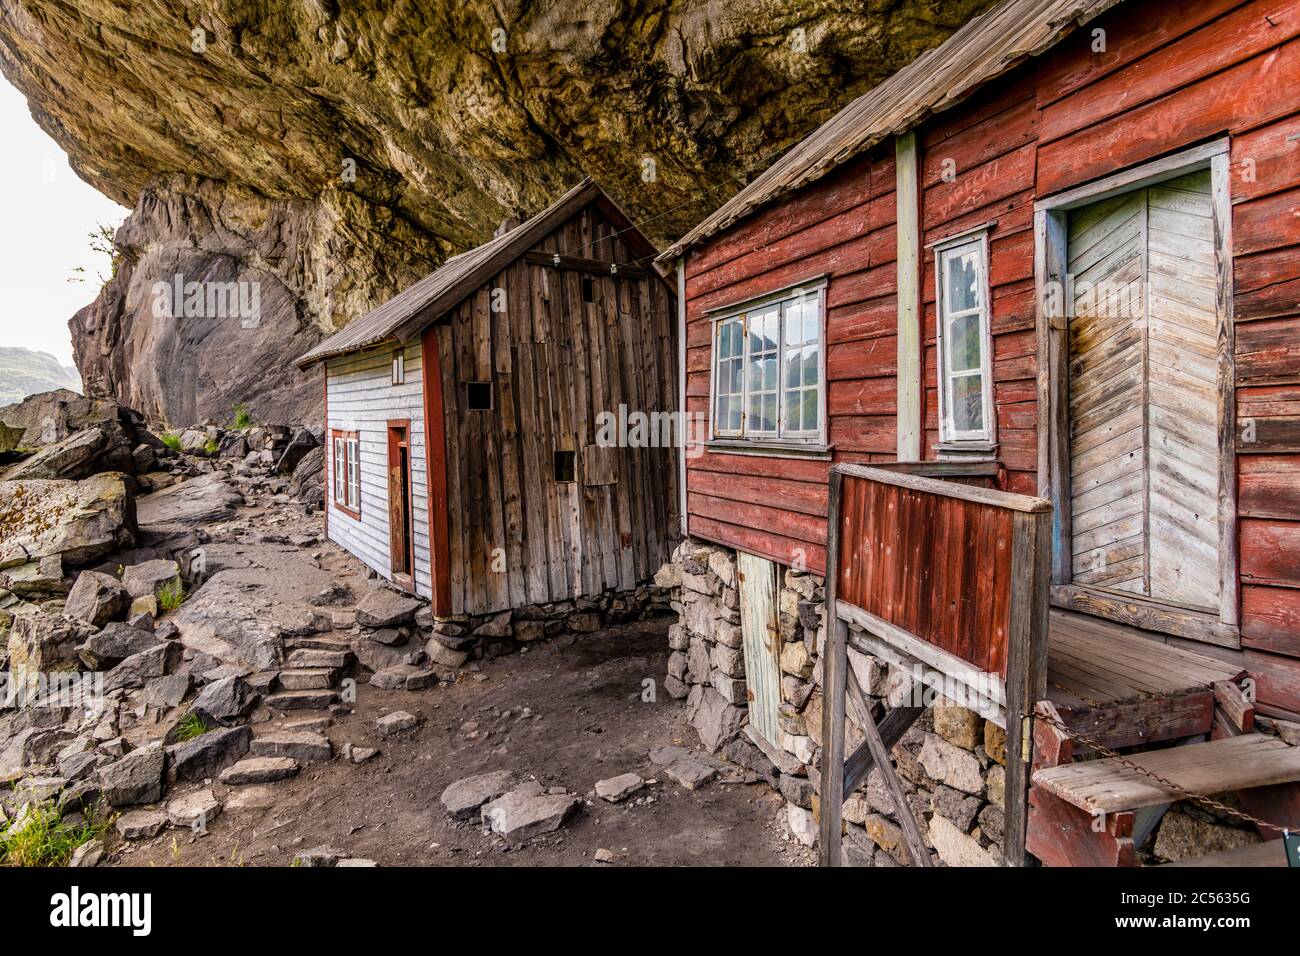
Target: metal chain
{"type": "Point", "coordinates": [1164, 782]}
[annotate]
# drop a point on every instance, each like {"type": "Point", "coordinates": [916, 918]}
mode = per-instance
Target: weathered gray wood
{"type": "Point", "coordinates": [1026, 684]}
{"type": "Point", "coordinates": [892, 727]}
{"type": "Point", "coordinates": [948, 664]}
{"type": "Point", "coordinates": [1225, 350]}
{"type": "Point", "coordinates": [902, 809]}
{"type": "Point", "coordinates": [835, 664]}
{"type": "Point", "coordinates": [908, 231]}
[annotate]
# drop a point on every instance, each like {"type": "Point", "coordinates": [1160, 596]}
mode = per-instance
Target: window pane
{"type": "Point", "coordinates": [968, 403]}
{"type": "Point", "coordinates": [736, 410]}
{"type": "Point", "coordinates": [792, 417]}
{"type": "Point", "coordinates": [811, 322]}
{"type": "Point", "coordinates": [811, 364]}
{"type": "Point", "coordinates": [793, 323]}
{"type": "Point", "coordinates": [961, 289]}
{"type": "Point", "coordinates": [769, 413]}
{"type": "Point", "coordinates": [723, 414]}
{"type": "Point", "coordinates": [811, 409]}
{"type": "Point", "coordinates": [964, 343]}
{"type": "Point", "coordinates": [769, 374]}
{"type": "Point", "coordinates": [793, 368]}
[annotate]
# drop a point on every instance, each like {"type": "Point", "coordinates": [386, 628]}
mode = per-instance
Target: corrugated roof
{"type": "Point", "coordinates": [984, 48]}
{"type": "Point", "coordinates": [447, 285]}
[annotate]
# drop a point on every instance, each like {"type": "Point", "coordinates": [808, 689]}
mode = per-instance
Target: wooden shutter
{"type": "Point", "coordinates": [762, 642]}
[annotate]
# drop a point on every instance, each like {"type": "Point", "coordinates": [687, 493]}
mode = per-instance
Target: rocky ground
{"type": "Point", "coordinates": [256, 696]}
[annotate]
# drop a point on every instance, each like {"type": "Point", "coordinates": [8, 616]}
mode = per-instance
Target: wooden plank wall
{"type": "Point", "coordinates": [555, 362]}
{"type": "Point", "coordinates": [843, 227]}
{"type": "Point", "coordinates": [1175, 75]}
{"type": "Point", "coordinates": [1170, 76]}
{"type": "Point", "coordinates": [937, 567]}
{"type": "Point", "coordinates": [363, 398]}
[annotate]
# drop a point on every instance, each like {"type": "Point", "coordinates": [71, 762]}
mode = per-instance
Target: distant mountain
{"type": "Point", "coordinates": [25, 372]}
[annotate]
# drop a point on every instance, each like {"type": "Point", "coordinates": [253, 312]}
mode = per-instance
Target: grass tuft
{"type": "Point", "coordinates": [190, 725]}
{"type": "Point", "coordinates": [45, 840]}
{"type": "Point", "coordinates": [172, 441]}
{"type": "Point", "coordinates": [171, 595]}
{"type": "Point", "coordinates": [242, 418]}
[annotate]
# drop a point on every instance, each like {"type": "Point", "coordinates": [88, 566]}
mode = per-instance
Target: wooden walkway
{"type": "Point", "coordinates": [1095, 663]}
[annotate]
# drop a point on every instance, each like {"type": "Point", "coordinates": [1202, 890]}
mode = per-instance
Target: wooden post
{"type": "Point", "coordinates": [1026, 681]}
{"type": "Point", "coordinates": [908, 230]}
{"type": "Point", "coordinates": [435, 471]}
{"type": "Point", "coordinates": [834, 684]}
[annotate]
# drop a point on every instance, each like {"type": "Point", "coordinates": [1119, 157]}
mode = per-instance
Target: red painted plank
{"type": "Point", "coordinates": [1268, 486]}
{"type": "Point", "coordinates": [784, 550]}
{"type": "Point", "coordinates": [1270, 551]}
{"type": "Point", "coordinates": [780, 493]}
{"type": "Point", "coordinates": [1228, 100]}
{"type": "Point", "coordinates": [1242, 34]}
{"type": "Point", "coordinates": [1270, 619]}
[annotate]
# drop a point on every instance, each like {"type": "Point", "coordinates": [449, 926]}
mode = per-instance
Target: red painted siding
{"type": "Point", "coordinates": [1171, 76]}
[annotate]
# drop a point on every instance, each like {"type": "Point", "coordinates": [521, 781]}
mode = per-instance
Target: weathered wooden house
{"type": "Point", "coordinates": [465, 458]}
{"type": "Point", "coordinates": [1011, 347]}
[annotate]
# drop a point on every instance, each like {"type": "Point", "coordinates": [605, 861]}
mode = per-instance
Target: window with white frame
{"type": "Point", "coordinates": [964, 346]}
{"type": "Point", "coordinates": [399, 367]}
{"type": "Point", "coordinates": [346, 477]}
{"type": "Point", "coordinates": [768, 371]}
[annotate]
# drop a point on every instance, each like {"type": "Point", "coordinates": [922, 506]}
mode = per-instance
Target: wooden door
{"type": "Point", "coordinates": [1143, 408]}
{"type": "Point", "coordinates": [761, 635]}
{"type": "Point", "coordinates": [399, 502]}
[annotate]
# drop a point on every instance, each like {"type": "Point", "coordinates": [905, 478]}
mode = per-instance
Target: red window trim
{"type": "Point", "coordinates": [336, 433]}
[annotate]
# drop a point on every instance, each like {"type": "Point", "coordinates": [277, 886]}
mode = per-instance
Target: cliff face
{"type": "Point", "coordinates": [338, 150]}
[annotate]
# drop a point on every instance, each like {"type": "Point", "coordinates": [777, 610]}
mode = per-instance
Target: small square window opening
{"type": "Point", "coordinates": [478, 396]}
{"type": "Point", "coordinates": [566, 466]}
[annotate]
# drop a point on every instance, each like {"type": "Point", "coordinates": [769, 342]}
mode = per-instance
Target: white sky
{"type": "Point", "coordinates": [46, 214]}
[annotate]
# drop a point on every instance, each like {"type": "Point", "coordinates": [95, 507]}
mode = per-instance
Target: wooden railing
{"type": "Point", "coordinates": [947, 579]}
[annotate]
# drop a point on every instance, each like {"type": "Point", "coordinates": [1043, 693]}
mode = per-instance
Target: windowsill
{"type": "Point", "coordinates": [344, 509]}
{"type": "Point", "coordinates": [769, 449]}
{"type": "Point", "coordinates": [967, 451]}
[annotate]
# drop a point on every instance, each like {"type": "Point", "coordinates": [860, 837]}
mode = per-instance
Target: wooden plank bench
{"type": "Point", "coordinates": [1216, 766]}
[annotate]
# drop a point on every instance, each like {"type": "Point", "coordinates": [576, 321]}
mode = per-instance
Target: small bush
{"type": "Point", "coordinates": [172, 441]}
{"type": "Point", "coordinates": [242, 418]}
{"type": "Point", "coordinates": [171, 595]}
{"type": "Point", "coordinates": [45, 840]}
{"type": "Point", "coordinates": [211, 446]}
{"type": "Point", "coordinates": [191, 725]}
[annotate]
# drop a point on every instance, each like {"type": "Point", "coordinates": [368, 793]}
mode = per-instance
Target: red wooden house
{"type": "Point", "coordinates": [1058, 255]}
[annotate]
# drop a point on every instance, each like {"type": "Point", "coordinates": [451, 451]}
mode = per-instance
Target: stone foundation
{"type": "Point", "coordinates": [494, 635]}
{"type": "Point", "coordinates": [951, 762]}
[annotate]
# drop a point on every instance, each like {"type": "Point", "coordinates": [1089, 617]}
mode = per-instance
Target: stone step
{"type": "Point", "coordinates": [308, 678]}
{"type": "Point", "coordinates": [302, 700]}
{"type": "Point", "coordinates": [303, 746]}
{"type": "Point", "coordinates": [311, 657]}
{"type": "Point", "coordinates": [317, 643]}
{"type": "Point", "coordinates": [259, 770]}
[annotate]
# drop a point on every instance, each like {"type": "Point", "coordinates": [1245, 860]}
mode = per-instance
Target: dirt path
{"type": "Point", "coordinates": [569, 711]}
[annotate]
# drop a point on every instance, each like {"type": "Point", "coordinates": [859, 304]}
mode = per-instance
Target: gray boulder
{"type": "Point", "coordinates": [139, 669]}
{"type": "Point", "coordinates": [41, 642]}
{"type": "Point", "coordinates": [136, 778]}
{"type": "Point", "coordinates": [463, 798]}
{"type": "Point", "coordinates": [97, 598]}
{"type": "Point", "coordinates": [227, 700]}
{"type": "Point", "coordinates": [114, 644]}
{"type": "Point", "coordinates": [207, 754]}
{"type": "Point", "coordinates": [82, 521]}
{"type": "Point", "coordinates": [528, 811]}
{"type": "Point", "coordinates": [149, 577]}
{"type": "Point", "coordinates": [382, 607]}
